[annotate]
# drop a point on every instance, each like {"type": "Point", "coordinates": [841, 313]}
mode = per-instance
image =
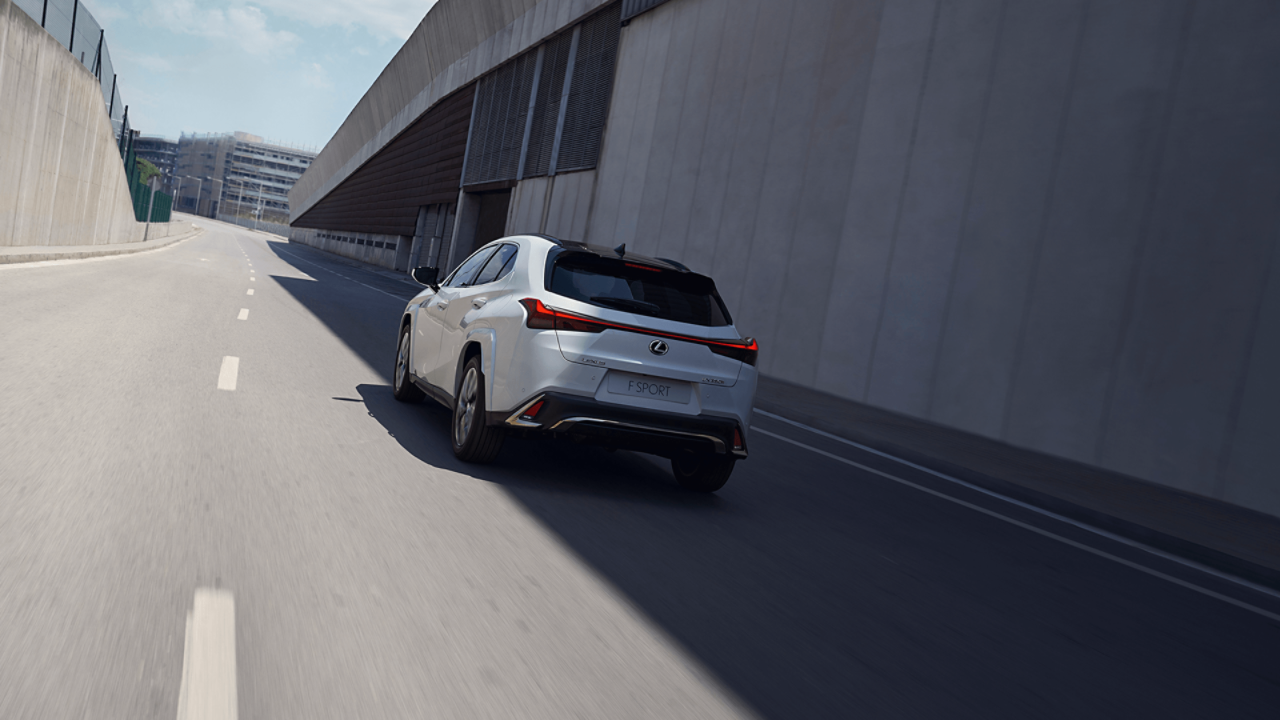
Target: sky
{"type": "Point", "coordinates": [288, 70]}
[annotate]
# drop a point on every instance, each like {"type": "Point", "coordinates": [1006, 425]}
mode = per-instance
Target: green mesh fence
{"type": "Point", "coordinates": [161, 207]}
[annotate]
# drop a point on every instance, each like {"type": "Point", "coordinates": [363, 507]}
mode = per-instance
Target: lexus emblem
{"type": "Point", "coordinates": [658, 347]}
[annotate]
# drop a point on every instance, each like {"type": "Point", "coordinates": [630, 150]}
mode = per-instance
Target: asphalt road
{"type": "Point", "coordinates": [375, 576]}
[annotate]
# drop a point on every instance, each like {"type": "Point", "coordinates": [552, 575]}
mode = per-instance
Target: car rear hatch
{"type": "Point", "coordinates": [658, 329]}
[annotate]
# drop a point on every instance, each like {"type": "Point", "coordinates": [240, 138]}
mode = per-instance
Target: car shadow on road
{"type": "Point", "coordinates": [532, 464]}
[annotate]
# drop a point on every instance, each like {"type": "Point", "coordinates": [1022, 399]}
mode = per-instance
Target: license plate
{"type": "Point", "coordinates": [621, 383]}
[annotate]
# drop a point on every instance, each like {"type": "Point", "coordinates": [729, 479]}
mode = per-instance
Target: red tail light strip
{"type": "Point", "coordinates": [542, 317]}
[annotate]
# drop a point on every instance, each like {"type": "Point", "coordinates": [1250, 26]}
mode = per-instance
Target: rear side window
{"type": "Point", "coordinates": [466, 272]}
{"type": "Point", "coordinates": [498, 266]}
{"type": "Point", "coordinates": [617, 284]}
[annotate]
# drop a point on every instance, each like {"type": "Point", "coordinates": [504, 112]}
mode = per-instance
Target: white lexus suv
{"type": "Point", "coordinates": [581, 343]}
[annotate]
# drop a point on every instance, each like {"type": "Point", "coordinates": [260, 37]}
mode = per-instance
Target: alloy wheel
{"type": "Point", "coordinates": [464, 416]}
{"type": "Point", "coordinates": [402, 361]}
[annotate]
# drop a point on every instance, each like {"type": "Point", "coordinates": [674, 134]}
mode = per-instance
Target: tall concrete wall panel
{"type": "Point", "coordinates": [61, 178]}
{"type": "Point", "coordinates": [1213, 227]}
{"type": "Point", "coordinates": [1254, 454]}
{"type": "Point", "coordinates": [559, 205]}
{"type": "Point", "coordinates": [570, 207]}
{"type": "Point", "coordinates": [856, 287]}
{"type": "Point", "coordinates": [1109, 157]}
{"type": "Point", "coordinates": [528, 202]}
{"type": "Point", "coordinates": [1001, 214]}
{"type": "Point", "coordinates": [1052, 222]}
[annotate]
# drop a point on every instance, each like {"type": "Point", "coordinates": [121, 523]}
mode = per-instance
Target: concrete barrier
{"type": "Point", "coordinates": [62, 181]}
{"type": "Point", "coordinates": [161, 235]}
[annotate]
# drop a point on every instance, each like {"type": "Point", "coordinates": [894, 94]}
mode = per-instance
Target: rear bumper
{"type": "Point", "coordinates": [583, 419]}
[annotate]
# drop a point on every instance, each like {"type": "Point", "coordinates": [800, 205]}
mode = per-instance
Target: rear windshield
{"type": "Point", "coordinates": [641, 289]}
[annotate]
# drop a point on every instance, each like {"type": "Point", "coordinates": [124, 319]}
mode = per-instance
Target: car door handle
{"type": "Point", "coordinates": [442, 305]}
{"type": "Point", "coordinates": [479, 303]}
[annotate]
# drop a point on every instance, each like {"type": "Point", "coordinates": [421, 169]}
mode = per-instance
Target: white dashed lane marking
{"type": "Point", "coordinates": [251, 278]}
{"type": "Point", "coordinates": [227, 375]}
{"type": "Point", "coordinates": [244, 314]}
{"type": "Point", "coordinates": [250, 292]}
{"type": "Point", "coordinates": [208, 689]}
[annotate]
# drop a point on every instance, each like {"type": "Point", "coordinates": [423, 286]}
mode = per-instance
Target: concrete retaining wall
{"type": "Point", "coordinates": [1053, 223]}
{"type": "Point", "coordinates": [370, 248]}
{"type": "Point", "coordinates": [61, 178]}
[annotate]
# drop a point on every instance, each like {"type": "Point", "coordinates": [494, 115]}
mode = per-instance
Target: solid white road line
{"type": "Point", "coordinates": [208, 689]}
{"type": "Point", "coordinates": [1025, 526]}
{"type": "Point", "coordinates": [244, 314]}
{"type": "Point", "coordinates": [227, 375]}
{"type": "Point", "coordinates": [186, 667]}
{"type": "Point", "coordinates": [1039, 511]}
{"type": "Point", "coordinates": [250, 292]}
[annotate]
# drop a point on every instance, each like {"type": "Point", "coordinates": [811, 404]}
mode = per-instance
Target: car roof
{"type": "Point", "coordinates": [620, 253]}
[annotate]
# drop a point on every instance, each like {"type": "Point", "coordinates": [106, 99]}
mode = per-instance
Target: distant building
{"type": "Point", "coordinates": [237, 175]}
{"type": "Point", "coordinates": [161, 152]}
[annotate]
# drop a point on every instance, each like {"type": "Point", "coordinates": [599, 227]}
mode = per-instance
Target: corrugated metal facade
{"type": "Point", "coordinates": [584, 59]}
{"type": "Point", "coordinates": [589, 93]}
{"type": "Point", "coordinates": [422, 166]}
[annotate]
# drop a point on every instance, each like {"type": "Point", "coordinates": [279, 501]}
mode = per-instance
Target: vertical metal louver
{"type": "Point", "coordinates": [498, 128]}
{"type": "Point", "coordinates": [559, 139]}
{"type": "Point", "coordinates": [589, 92]}
{"type": "Point", "coordinates": [547, 106]}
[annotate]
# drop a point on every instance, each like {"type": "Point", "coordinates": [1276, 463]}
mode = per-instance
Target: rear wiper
{"type": "Point", "coordinates": [626, 304]}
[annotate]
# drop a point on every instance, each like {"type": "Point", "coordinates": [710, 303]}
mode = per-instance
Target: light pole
{"type": "Point", "coordinates": [218, 194]}
{"type": "Point", "coordinates": [258, 218]}
{"type": "Point", "coordinates": [150, 208]}
{"type": "Point", "coordinates": [239, 195]}
{"type": "Point", "coordinates": [199, 185]}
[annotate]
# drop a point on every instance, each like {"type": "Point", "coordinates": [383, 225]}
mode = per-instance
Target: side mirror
{"type": "Point", "coordinates": [426, 276]}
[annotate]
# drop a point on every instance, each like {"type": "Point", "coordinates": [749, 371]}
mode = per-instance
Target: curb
{"type": "Point", "coordinates": [103, 251]}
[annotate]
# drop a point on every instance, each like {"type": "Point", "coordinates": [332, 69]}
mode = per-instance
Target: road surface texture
{"type": "Point", "coordinates": [375, 576]}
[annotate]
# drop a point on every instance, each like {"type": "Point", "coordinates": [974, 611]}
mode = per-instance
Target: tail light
{"type": "Point", "coordinates": [747, 352]}
{"type": "Point", "coordinates": [737, 440]}
{"type": "Point", "coordinates": [542, 317]}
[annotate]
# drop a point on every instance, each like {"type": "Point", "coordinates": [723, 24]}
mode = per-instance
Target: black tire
{"type": "Point", "coordinates": [402, 386]}
{"type": "Point", "coordinates": [473, 441]}
{"type": "Point", "coordinates": [702, 473]}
